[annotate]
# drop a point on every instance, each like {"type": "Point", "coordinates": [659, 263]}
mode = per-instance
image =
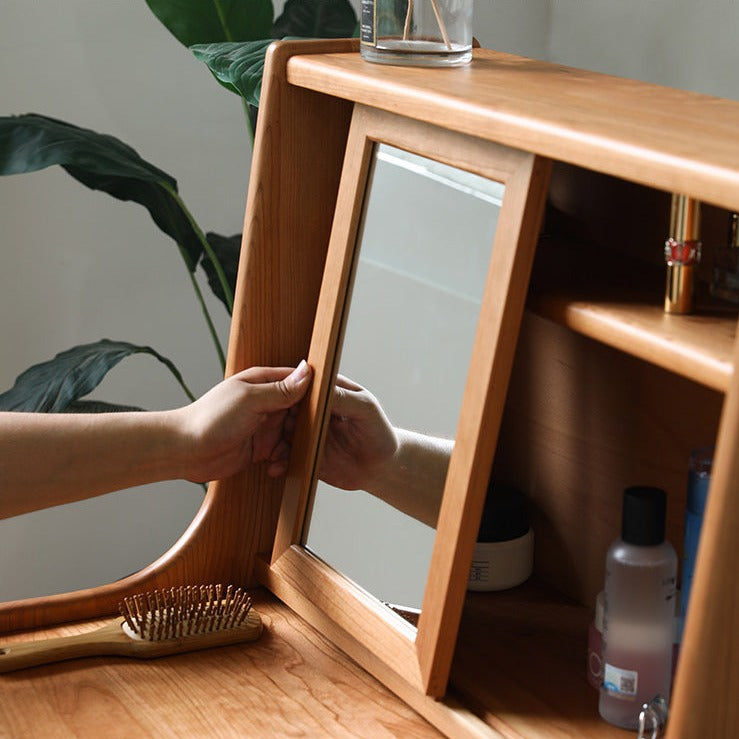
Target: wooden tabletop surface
{"type": "Point", "coordinates": [291, 682]}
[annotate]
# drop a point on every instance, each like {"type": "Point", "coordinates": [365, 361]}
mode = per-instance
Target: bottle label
{"type": "Point", "coordinates": [480, 571]}
{"type": "Point", "coordinates": [367, 23]}
{"type": "Point", "coordinates": [620, 683]}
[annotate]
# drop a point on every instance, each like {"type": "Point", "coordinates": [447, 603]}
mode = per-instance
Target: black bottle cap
{"type": "Point", "coordinates": [643, 521]}
{"type": "Point", "coordinates": [505, 514]}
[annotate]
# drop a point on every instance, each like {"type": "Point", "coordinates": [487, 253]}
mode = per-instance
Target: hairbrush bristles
{"type": "Point", "coordinates": [185, 611]}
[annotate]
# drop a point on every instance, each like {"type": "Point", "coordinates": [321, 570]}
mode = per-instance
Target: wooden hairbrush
{"type": "Point", "coordinates": [155, 624]}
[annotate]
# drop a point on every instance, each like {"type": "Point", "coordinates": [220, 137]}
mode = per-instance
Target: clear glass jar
{"type": "Point", "coordinates": [425, 33]}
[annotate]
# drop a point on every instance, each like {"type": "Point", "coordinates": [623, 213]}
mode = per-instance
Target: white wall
{"type": "Point", "coordinates": [680, 43]}
{"type": "Point", "coordinates": [78, 266]}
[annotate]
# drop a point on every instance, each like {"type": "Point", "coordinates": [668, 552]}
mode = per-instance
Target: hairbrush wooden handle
{"type": "Point", "coordinates": [112, 640]}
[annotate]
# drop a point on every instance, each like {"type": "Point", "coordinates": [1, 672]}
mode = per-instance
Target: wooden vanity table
{"type": "Point", "coordinates": [292, 682]}
{"type": "Point", "coordinates": [605, 390]}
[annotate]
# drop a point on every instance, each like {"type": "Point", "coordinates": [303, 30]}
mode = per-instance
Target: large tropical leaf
{"type": "Point", "coordinates": [206, 21]}
{"type": "Point", "coordinates": [52, 386]}
{"type": "Point", "coordinates": [101, 162]}
{"type": "Point", "coordinates": [316, 19]}
{"type": "Point", "coordinates": [227, 250]}
{"type": "Point", "coordinates": [237, 66]}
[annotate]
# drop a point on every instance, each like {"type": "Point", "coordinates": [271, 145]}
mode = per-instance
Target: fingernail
{"type": "Point", "coordinates": [301, 372]}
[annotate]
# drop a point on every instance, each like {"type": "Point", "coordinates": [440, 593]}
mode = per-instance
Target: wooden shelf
{"type": "Point", "coordinates": [520, 663]}
{"type": "Point", "coordinates": [648, 134]}
{"type": "Point", "coordinates": [619, 303]}
{"type": "Point", "coordinates": [670, 139]}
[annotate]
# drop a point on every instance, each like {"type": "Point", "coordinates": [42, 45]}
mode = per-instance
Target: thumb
{"type": "Point", "coordinates": [282, 394]}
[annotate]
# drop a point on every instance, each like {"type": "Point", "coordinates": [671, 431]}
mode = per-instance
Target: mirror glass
{"type": "Point", "coordinates": [423, 247]}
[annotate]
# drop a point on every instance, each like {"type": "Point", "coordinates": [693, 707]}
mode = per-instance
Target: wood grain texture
{"type": "Point", "coordinates": [708, 674]}
{"type": "Point", "coordinates": [292, 191]}
{"type": "Point", "coordinates": [448, 714]}
{"type": "Point", "coordinates": [657, 136]}
{"type": "Point", "coordinates": [618, 301]}
{"type": "Point", "coordinates": [521, 664]}
{"type": "Point", "coordinates": [291, 682]}
{"type": "Point", "coordinates": [480, 416]}
{"type": "Point", "coordinates": [322, 354]}
{"type": "Point", "coordinates": [309, 585]}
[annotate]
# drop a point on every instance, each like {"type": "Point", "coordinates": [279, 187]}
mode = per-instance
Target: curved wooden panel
{"type": "Point", "coordinates": [292, 190]}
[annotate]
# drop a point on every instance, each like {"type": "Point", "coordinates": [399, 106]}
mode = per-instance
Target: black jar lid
{"type": "Point", "coordinates": [643, 521]}
{"type": "Point", "coordinates": [505, 514]}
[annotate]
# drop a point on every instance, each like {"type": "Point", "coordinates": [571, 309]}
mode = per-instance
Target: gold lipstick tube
{"type": "Point", "coordinates": [682, 254]}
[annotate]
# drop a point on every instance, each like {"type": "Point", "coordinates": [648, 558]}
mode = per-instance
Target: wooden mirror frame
{"type": "Point", "coordinates": [359, 623]}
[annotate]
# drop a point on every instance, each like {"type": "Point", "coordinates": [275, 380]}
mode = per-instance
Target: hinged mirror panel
{"type": "Point", "coordinates": [415, 331]}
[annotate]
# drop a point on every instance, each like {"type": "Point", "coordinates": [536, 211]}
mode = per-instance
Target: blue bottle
{"type": "Point", "coordinates": [699, 478]}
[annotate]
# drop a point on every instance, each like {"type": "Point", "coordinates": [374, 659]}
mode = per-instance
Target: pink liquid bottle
{"type": "Point", "coordinates": [639, 610]}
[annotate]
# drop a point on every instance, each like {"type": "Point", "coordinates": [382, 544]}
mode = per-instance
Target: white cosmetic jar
{"type": "Point", "coordinates": [504, 553]}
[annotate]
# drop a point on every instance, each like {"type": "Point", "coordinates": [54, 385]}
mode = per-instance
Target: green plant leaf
{"type": "Point", "coordinates": [206, 21]}
{"type": "Point", "coordinates": [238, 66]}
{"type": "Point", "coordinates": [101, 162]}
{"type": "Point", "coordinates": [316, 19]}
{"type": "Point", "coordinates": [227, 250]}
{"type": "Point", "coordinates": [50, 387]}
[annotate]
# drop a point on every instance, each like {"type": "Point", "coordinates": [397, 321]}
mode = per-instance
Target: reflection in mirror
{"type": "Point", "coordinates": [424, 244]}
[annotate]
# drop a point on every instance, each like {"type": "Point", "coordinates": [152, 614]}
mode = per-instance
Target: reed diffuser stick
{"type": "Point", "coordinates": [407, 27]}
{"type": "Point", "coordinates": [439, 20]}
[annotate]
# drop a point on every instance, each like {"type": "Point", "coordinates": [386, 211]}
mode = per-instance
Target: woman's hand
{"type": "Point", "coordinates": [247, 418]}
{"type": "Point", "coordinates": [361, 440]}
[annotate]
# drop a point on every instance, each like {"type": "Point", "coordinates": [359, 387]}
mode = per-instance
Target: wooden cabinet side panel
{"type": "Point", "coordinates": [300, 145]}
{"type": "Point", "coordinates": [707, 682]}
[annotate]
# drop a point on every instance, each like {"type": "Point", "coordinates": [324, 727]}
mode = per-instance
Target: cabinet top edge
{"type": "Point", "coordinates": [662, 137]}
